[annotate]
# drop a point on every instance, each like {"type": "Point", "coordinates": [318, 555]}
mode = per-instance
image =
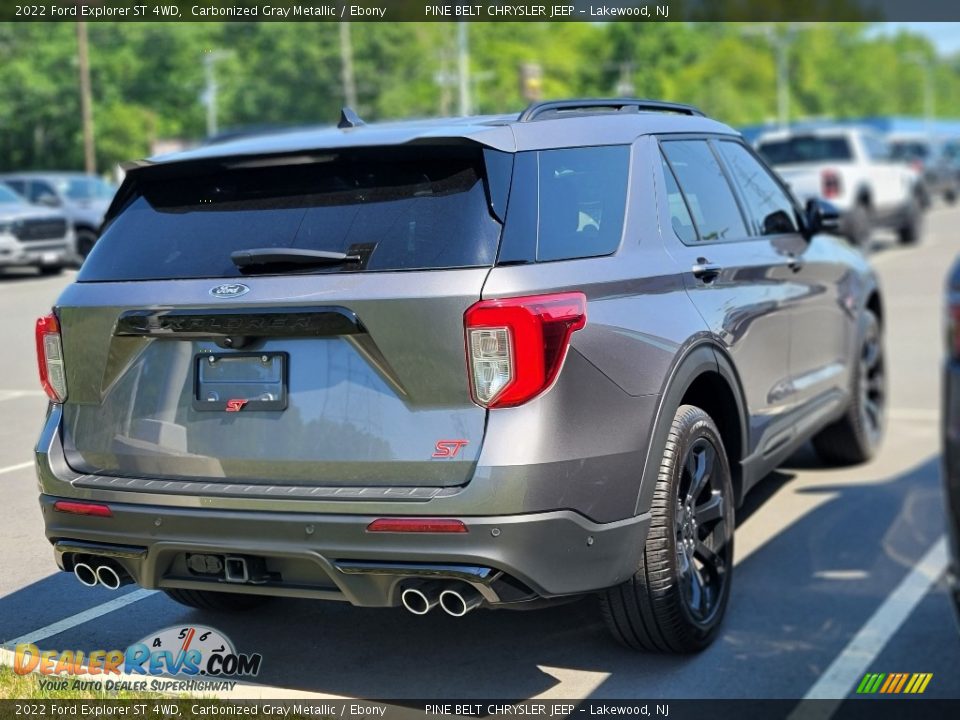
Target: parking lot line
{"type": "Point", "coordinates": [81, 618]}
{"type": "Point", "coordinates": [14, 468]}
{"type": "Point", "coordinates": [849, 666]}
{"type": "Point", "coordinates": [14, 394]}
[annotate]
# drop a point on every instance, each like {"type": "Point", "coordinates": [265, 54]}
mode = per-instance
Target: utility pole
{"type": "Point", "coordinates": [86, 99]}
{"type": "Point", "coordinates": [780, 39]}
{"type": "Point", "coordinates": [929, 98]}
{"type": "Point", "coordinates": [346, 67]}
{"type": "Point", "coordinates": [210, 92]}
{"type": "Point", "coordinates": [463, 68]}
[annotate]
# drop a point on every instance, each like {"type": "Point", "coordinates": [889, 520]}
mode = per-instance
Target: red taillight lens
{"type": "Point", "coordinates": [82, 508]}
{"type": "Point", "coordinates": [417, 525]}
{"type": "Point", "coordinates": [53, 376]}
{"type": "Point", "coordinates": [832, 187]}
{"type": "Point", "coordinates": [516, 346]}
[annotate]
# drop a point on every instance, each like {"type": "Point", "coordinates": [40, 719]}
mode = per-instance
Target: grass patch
{"type": "Point", "coordinates": [28, 687]}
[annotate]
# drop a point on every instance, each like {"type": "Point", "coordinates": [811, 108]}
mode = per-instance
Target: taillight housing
{"type": "Point", "coordinates": [53, 375]}
{"type": "Point", "coordinates": [831, 184]}
{"type": "Point", "coordinates": [516, 346]}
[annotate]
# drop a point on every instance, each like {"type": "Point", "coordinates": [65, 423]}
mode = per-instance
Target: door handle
{"type": "Point", "coordinates": [705, 270]}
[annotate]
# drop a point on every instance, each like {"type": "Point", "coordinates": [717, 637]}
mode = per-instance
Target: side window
{"type": "Point", "coordinates": [680, 219]}
{"type": "Point", "coordinates": [767, 204]}
{"type": "Point", "coordinates": [583, 195]}
{"type": "Point", "coordinates": [39, 188]}
{"type": "Point", "coordinates": [709, 196]}
{"type": "Point", "coordinates": [19, 186]}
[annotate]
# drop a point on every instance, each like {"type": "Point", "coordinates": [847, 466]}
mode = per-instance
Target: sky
{"type": "Point", "coordinates": [946, 36]}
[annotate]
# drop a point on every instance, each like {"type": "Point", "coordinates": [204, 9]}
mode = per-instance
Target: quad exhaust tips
{"type": "Point", "coordinates": [456, 600]}
{"type": "Point", "coordinates": [106, 573]}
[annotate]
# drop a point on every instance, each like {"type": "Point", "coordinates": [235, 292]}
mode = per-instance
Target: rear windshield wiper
{"type": "Point", "coordinates": [263, 257]}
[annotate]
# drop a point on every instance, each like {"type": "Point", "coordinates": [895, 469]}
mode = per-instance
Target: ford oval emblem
{"type": "Point", "coordinates": [230, 290]}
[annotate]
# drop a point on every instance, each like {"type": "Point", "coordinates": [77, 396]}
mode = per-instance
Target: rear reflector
{"type": "Point", "coordinates": [417, 525]}
{"type": "Point", "coordinates": [82, 508]}
{"type": "Point", "coordinates": [53, 377]}
{"type": "Point", "coordinates": [516, 346]}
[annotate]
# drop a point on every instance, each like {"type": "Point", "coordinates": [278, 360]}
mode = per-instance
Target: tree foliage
{"type": "Point", "coordinates": [148, 79]}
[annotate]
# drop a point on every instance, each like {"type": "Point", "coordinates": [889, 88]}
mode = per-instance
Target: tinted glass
{"type": "Point", "coordinates": [18, 185]}
{"type": "Point", "coordinates": [39, 188]}
{"type": "Point", "coordinates": [680, 219]}
{"type": "Point", "coordinates": [583, 194]}
{"type": "Point", "coordinates": [706, 189]}
{"type": "Point", "coordinates": [805, 149]}
{"type": "Point", "coordinates": [417, 209]}
{"type": "Point", "coordinates": [768, 205]}
{"type": "Point", "coordinates": [9, 196]}
{"type": "Point", "coordinates": [906, 150]}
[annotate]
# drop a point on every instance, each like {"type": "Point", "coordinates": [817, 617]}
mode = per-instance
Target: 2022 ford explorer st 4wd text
{"type": "Point", "coordinates": [479, 362]}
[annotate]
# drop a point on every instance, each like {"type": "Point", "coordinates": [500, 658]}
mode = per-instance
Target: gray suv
{"type": "Point", "coordinates": [491, 361]}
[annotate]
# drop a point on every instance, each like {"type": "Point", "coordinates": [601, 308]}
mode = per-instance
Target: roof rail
{"type": "Point", "coordinates": [555, 108]}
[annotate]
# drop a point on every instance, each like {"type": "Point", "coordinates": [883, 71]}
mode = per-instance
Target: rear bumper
{"type": "Point", "coordinates": [334, 557]}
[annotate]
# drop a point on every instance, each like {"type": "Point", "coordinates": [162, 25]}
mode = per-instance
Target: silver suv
{"type": "Point", "coordinates": [32, 236]}
{"type": "Point", "coordinates": [492, 361]}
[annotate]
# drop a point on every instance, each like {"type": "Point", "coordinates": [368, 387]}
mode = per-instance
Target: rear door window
{"type": "Point", "coordinates": [680, 219]}
{"type": "Point", "coordinates": [709, 196]}
{"type": "Point", "coordinates": [403, 208]}
{"type": "Point", "coordinates": [582, 199]}
{"type": "Point", "coordinates": [769, 207]}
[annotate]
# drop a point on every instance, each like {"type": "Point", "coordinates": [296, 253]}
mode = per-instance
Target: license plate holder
{"type": "Point", "coordinates": [240, 381]}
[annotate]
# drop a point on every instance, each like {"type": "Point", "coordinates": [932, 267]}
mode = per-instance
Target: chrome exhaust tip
{"type": "Point", "coordinates": [109, 577]}
{"type": "Point", "coordinates": [85, 574]}
{"type": "Point", "coordinates": [459, 602]}
{"type": "Point", "coordinates": [420, 599]}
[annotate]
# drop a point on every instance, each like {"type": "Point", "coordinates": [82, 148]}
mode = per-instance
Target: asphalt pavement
{"type": "Point", "coordinates": [838, 572]}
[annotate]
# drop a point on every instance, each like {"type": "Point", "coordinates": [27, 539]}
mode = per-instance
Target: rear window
{"type": "Point", "coordinates": [403, 208]}
{"type": "Point", "coordinates": [806, 149]}
{"type": "Point", "coordinates": [909, 150]}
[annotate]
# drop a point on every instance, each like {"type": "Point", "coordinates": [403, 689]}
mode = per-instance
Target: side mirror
{"type": "Point", "coordinates": [48, 200]}
{"type": "Point", "coordinates": [822, 217]}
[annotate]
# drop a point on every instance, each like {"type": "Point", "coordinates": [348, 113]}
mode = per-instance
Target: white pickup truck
{"type": "Point", "coordinates": [851, 168]}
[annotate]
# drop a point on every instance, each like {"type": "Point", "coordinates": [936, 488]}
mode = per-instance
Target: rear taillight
{"type": "Point", "coordinates": [53, 377]}
{"type": "Point", "coordinates": [831, 185]}
{"type": "Point", "coordinates": [516, 346]}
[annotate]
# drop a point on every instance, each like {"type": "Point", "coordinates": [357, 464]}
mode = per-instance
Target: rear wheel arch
{"type": "Point", "coordinates": [706, 378]}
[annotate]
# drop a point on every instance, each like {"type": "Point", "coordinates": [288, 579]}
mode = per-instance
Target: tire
{"type": "Point", "coordinates": [950, 196]}
{"type": "Point", "coordinates": [216, 601]}
{"type": "Point", "coordinates": [859, 226]}
{"type": "Point", "coordinates": [657, 608]}
{"type": "Point", "coordinates": [86, 239]}
{"type": "Point", "coordinates": [855, 437]}
{"type": "Point", "coordinates": [50, 270]}
{"type": "Point", "coordinates": [909, 232]}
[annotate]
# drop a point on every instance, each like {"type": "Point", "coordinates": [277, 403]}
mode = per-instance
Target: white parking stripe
{"type": "Point", "coordinates": [14, 468]}
{"type": "Point", "coordinates": [14, 394]}
{"type": "Point", "coordinates": [81, 618]}
{"type": "Point", "coordinates": [838, 681]}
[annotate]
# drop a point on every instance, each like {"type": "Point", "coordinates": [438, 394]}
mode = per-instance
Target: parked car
{"type": "Point", "coordinates": [440, 364]}
{"type": "Point", "coordinates": [31, 236]}
{"type": "Point", "coordinates": [951, 433]}
{"type": "Point", "coordinates": [931, 159]}
{"type": "Point", "coordinates": [852, 169]}
{"type": "Point", "coordinates": [82, 198]}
